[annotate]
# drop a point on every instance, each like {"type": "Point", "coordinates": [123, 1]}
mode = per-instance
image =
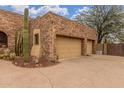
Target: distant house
{"type": "Point", "coordinates": [51, 35]}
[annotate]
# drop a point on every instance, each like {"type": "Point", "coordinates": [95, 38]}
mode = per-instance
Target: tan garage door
{"type": "Point", "coordinates": [68, 47]}
{"type": "Point", "coordinates": [89, 47]}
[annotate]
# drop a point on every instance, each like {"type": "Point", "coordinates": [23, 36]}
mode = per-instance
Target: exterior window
{"type": "Point", "coordinates": [36, 39]}
{"type": "Point", "coordinates": [3, 39]}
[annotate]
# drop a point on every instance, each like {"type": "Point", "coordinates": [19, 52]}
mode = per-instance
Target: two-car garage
{"type": "Point", "coordinates": [68, 47]}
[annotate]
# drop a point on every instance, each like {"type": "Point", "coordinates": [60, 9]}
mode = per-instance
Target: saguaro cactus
{"type": "Point", "coordinates": [26, 49]}
{"type": "Point", "coordinates": [18, 43]}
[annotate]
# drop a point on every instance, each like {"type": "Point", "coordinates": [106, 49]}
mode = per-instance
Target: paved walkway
{"type": "Point", "coordinates": [93, 71]}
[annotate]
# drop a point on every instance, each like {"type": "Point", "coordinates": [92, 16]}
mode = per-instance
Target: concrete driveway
{"type": "Point", "coordinates": [92, 71]}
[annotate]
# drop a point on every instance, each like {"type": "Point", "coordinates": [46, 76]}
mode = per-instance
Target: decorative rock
{"type": "Point", "coordinates": [35, 59]}
{"type": "Point", "coordinates": [12, 56]}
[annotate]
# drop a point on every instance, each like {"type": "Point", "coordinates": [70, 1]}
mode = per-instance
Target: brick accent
{"type": "Point", "coordinates": [84, 46]}
{"type": "Point", "coordinates": [94, 46]}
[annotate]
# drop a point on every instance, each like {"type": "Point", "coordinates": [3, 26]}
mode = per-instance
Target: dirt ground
{"type": "Point", "coordinates": [91, 71]}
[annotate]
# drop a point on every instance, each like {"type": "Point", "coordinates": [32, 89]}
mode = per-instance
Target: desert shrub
{"type": "Point", "coordinates": [7, 55]}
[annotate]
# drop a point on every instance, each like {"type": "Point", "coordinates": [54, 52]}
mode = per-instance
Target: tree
{"type": "Point", "coordinates": [120, 36]}
{"type": "Point", "coordinates": [26, 48]}
{"type": "Point", "coordinates": [107, 20]}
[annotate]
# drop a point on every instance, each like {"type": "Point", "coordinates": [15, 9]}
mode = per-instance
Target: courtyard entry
{"type": "Point", "coordinates": [67, 47]}
{"type": "Point", "coordinates": [3, 39]}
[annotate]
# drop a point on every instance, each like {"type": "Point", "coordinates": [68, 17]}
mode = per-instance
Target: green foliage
{"type": "Point", "coordinates": [26, 48]}
{"type": "Point", "coordinates": [10, 56]}
{"type": "Point", "coordinates": [16, 43]}
{"type": "Point", "coordinates": [121, 36]}
{"type": "Point", "coordinates": [107, 20]}
{"type": "Point", "coordinates": [7, 55]}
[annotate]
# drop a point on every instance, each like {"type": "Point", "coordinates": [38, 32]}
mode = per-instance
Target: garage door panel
{"type": "Point", "coordinates": [68, 47]}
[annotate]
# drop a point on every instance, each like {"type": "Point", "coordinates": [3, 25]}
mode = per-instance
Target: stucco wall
{"type": "Point", "coordinates": [36, 48]}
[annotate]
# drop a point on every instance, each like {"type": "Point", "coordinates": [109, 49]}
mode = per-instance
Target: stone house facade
{"type": "Point", "coordinates": [44, 32]}
{"type": "Point", "coordinates": [9, 23]}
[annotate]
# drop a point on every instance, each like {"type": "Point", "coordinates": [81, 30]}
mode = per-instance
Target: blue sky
{"type": "Point", "coordinates": [69, 11]}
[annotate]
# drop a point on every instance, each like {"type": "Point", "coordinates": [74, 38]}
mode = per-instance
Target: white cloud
{"type": "Point", "coordinates": [44, 9]}
{"type": "Point", "coordinates": [34, 12]}
{"type": "Point", "coordinates": [79, 11]}
{"type": "Point", "coordinates": [84, 9]}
